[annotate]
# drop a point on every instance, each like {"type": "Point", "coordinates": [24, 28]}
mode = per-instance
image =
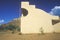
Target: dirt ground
{"type": "Point", "coordinates": [9, 36]}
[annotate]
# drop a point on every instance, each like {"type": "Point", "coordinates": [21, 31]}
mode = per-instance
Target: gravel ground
{"type": "Point", "coordinates": [9, 36]}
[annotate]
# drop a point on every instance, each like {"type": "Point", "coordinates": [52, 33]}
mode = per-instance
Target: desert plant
{"type": "Point", "coordinates": [41, 30]}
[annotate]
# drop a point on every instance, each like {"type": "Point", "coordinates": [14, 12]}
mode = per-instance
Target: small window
{"type": "Point", "coordinates": [24, 12]}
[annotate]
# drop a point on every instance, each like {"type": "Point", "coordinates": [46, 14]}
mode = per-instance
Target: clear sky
{"type": "Point", "coordinates": [9, 9]}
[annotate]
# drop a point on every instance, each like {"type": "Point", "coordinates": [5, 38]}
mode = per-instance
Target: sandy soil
{"type": "Point", "coordinates": [9, 36]}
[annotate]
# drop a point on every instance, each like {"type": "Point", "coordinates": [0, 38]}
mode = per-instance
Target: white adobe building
{"type": "Point", "coordinates": [56, 25]}
{"type": "Point", "coordinates": [35, 20]}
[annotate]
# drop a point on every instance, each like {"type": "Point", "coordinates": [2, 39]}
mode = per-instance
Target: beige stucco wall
{"type": "Point", "coordinates": [57, 27]}
{"type": "Point", "coordinates": [36, 19]}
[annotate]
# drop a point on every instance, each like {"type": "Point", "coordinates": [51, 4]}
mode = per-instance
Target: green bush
{"type": "Point", "coordinates": [11, 27]}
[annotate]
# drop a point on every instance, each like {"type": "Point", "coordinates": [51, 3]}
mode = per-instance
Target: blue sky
{"type": "Point", "coordinates": [55, 11]}
{"type": "Point", "coordinates": [10, 9]}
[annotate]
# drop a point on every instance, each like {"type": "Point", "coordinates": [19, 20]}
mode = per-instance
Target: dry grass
{"type": "Point", "coordinates": [9, 36]}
